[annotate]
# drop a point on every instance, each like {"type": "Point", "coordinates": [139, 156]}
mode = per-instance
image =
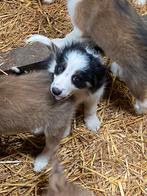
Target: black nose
{"type": "Point", "coordinates": [56, 91]}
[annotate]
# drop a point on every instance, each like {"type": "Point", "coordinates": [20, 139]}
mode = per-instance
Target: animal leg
{"type": "Point", "coordinates": [52, 142]}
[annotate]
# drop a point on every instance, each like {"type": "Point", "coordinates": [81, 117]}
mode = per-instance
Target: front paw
{"type": "Point", "coordinates": [141, 107]}
{"type": "Point", "coordinates": [92, 123]}
{"type": "Point", "coordinates": [40, 163]}
{"type": "Point", "coordinates": [31, 39]}
{"type": "Point", "coordinates": [38, 38]}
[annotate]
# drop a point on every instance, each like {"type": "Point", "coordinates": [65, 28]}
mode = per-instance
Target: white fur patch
{"type": "Point", "coordinates": [59, 42]}
{"type": "Point", "coordinates": [92, 123]}
{"type": "Point", "coordinates": [15, 69]}
{"type": "Point", "coordinates": [141, 107]}
{"type": "Point", "coordinates": [48, 1]}
{"type": "Point", "coordinates": [40, 162]}
{"type": "Point", "coordinates": [38, 131]}
{"type": "Point", "coordinates": [75, 61]}
{"type": "Point", "coordinates": [116, 70]}
{"type": "Point", "coordinates": [90, 117]}
{"type": "Point", "coordinates": [38, 38]}
{"type": "Point", "coordinates": [141, 2]}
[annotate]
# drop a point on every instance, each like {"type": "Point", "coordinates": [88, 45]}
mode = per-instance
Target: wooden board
{"type": "Point", "coordinates": [35, 56]}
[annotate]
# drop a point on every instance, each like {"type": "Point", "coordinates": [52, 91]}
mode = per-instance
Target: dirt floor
{"type": "Point", "coordinates": [111, 162]}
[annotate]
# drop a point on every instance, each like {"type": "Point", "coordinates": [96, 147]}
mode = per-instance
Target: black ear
{"type": "Point", "coordinates": [99, 77]}
{"type": "Point", "coordinates": [55, 49]}
{"type": "Point", "coordinates": [53, 58]}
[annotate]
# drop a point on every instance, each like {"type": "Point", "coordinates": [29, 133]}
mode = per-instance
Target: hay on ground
{"type": "Point", "coordinates": [111, 162]}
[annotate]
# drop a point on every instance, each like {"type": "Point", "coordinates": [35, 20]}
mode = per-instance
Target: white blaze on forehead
{"type": "Point", "coordinates": [75, 61]}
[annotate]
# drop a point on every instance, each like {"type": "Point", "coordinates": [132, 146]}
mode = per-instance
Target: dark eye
{"type": "Point", "coordinates": [59, 69]}
{"type": "Point", "coordinates": [78, 81]}
{"type": "Point", "coordinates": [75, 79]}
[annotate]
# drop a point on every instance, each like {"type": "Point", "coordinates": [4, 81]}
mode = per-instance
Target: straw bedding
{"type": "Point", "coordinates": [111, 162]}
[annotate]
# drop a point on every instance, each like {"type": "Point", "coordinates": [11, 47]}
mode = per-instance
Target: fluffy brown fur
{"type": "Point", "coordinates": [59, 186]}
{"type": "Point", "coordinates": [122, 34]}
{"type": "Point", "coordinates": [26, 105]}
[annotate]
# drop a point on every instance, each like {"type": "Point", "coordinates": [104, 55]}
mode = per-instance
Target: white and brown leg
{"type": "Point", "coordinates": [52, 142]}
{"type": "Point", "coordinates": [92, 122]}
{"type": "Point", "coordinates": [136, 82]}
{"type": "Point", "coordinates": [74, 35]}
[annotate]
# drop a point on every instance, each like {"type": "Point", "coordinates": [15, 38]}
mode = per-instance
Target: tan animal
{"type": "Point", "coordinates": [116, 27]}
{"type": "Point", "coordinates": [26, 105]}
{"type": "Point", "coordinates": [59, 185]}
{"type": "Point", "coordinates": [139, 2]}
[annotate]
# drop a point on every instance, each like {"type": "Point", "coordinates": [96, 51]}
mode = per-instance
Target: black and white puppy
{"type": "Point", "coordinates": [78, 71]}
{"type": "Point", "coordinates": [115, 26]}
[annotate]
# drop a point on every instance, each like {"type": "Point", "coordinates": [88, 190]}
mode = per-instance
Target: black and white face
{"type": "Point", "coordinates": [74, 70]}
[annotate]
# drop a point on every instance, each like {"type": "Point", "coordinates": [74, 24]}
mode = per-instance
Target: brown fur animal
{"type": "Point", "coordinates": [140, 2]}
{"type": "Point", "coordinates": [26, 105]}
{"type": "Point", "coordinates": [115, 26]}
{"type": "Point", "coordinates": [59, 186]}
